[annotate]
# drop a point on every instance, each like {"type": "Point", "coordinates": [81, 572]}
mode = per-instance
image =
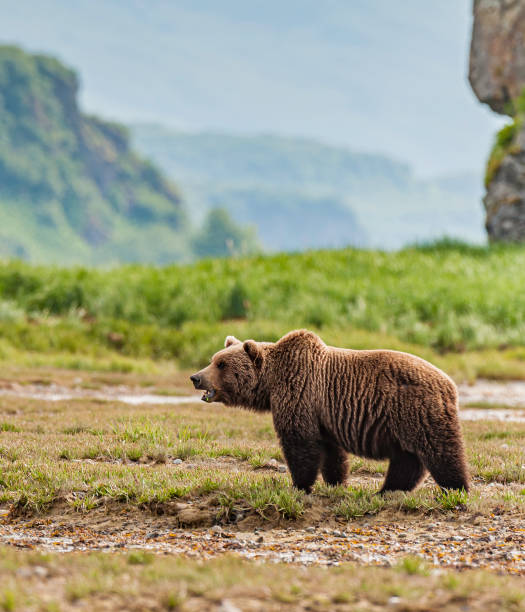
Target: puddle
{"type": "Point", "coordinates": [489, 392]}
{"type": "Point", "coordinates": [484, 414]}
{"type": "Point", "coordinates": [511, 393]}
{"type": "Point", "coordinates": [56, 393]}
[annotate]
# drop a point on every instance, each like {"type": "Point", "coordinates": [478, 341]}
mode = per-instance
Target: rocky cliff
{"type": "Point", "coordinates": [497, 76]}
{"type": "Point", "coordinates": [71, 187]}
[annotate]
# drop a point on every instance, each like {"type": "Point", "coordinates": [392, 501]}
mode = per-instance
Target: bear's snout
{"type": "Point", "coordinates": [196, 380]}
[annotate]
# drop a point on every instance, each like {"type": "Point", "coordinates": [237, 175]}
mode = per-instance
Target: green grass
{"type": "Point", "coordinates": [462, 307]}
{"type": "Point", "coordinates": [86, 454]}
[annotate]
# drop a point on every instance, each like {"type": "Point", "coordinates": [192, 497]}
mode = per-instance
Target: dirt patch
{"type": "Point", "coordinates": [496, 543]}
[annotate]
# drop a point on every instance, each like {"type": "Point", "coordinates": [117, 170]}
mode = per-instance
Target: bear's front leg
{"type": "Point", "coordinates": [303, 457]}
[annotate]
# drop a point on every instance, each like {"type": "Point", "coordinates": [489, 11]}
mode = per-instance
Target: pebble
{"type": "Point", "coordinates": [281, 468]}
{"type": "Point", "coordinates": [310, 530]}
{"type": "Point", "coordinates": [393, 601]}
{"type": "Point", "coordinates": [217, 529]}
{"type": "Point", "coordinates": [228, 606]}
{"type": "Point", "coordinates": [177, 461]}
{"type": "Point", "coordinates": [511, 555]}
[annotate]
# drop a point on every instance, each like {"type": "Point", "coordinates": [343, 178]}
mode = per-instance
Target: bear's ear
{"type": "Point", "coordinates": [230, 341]}
{"type": "Point", "coordinates": [254, 352]}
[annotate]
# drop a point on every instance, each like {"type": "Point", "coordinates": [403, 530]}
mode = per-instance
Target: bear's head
{"type": "Point", "coordinates": [233, 374]}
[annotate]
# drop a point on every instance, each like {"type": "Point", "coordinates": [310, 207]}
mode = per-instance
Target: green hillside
{"type": "Point", "coordinates": [71, 188]}
{"type": "Point", "coordinates": [342, 197]}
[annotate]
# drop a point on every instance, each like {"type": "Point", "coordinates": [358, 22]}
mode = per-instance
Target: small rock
{"type": "Point", "coordinates": [511, 555]}
{"type": "Point", "coordinates": [40, 571]}
{"type": "Point", "coordinates": [228, 606]}
{"type": "Point", "coordinates": [310, 530]}
{"type": "Point", "coordinates": [216, 529]}
{"type": "Point", "coordinates": [281, 468]}
{"type": "Point", "coordinates": [338, 534]}
{"type": "Point", "coordinates": [177, 461]}
{"type": "Point", "coordinates": [394, 600]}
{"type": "Point", "coordinates": [260, 539]}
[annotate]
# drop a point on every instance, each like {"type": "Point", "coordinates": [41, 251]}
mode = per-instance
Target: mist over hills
{"type": "Point", "coordinates": [377, 76]}
{"type": "Point", "coordinates": [341, 197]}
{"type": "Point", "coordinates": [362, 77]}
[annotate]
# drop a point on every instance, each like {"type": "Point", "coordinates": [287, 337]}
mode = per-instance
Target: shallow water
{"type": "Point", "coordinates": [482, 391]}
{"type": "Point", "coordinates": [509, 393]}
{"type": "Point", "coordinates": [57, 393]}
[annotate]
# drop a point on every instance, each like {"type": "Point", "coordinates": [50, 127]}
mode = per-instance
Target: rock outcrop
{"type": "Point", "coordinates": [497, 76]}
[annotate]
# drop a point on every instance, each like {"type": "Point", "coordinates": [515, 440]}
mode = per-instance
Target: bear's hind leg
{"type": "Point", "coordinates": [404, 473]}
{"type": "Point", "coordinates": [334, 464]}
{"type": "Point", "coordinates": [303, 458]}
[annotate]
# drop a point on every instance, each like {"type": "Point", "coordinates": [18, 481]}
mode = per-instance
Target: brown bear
{"type": "Point", "coordinates": [327, 402]}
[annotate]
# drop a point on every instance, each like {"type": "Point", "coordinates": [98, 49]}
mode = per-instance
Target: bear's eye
{"type": "Point", "coordinates": [221, 365]}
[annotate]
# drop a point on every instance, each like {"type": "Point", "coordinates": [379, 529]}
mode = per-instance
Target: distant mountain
{"type": "Point", "coordinates": [300, 193]}
{"type": "Point", "coordinates": [71, 188]}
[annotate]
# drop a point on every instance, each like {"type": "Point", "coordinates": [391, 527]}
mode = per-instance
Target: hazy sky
{"type": "Point", "coordinates": [373, 75]}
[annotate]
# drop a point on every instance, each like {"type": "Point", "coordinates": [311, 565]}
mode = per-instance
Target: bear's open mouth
{"type": "Point", "coordinates": [208, 395]}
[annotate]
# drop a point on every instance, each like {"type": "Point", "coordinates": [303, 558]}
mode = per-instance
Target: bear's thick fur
{"type": "Point", "coordinates": [327, 402]}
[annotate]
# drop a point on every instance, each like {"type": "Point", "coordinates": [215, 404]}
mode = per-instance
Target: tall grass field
{"type": "Point", "coordinates": [438, 300]}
